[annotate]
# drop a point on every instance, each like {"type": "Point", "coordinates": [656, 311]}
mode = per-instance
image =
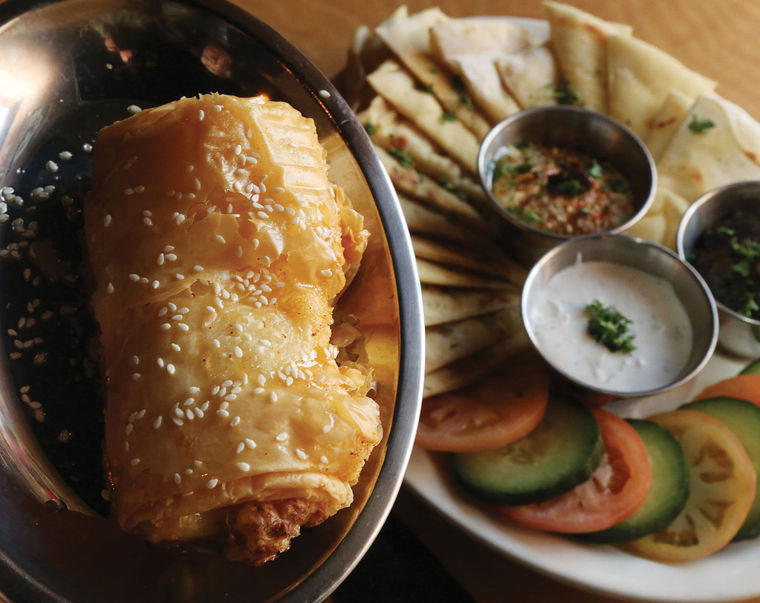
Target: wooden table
{"type": "Point", "coordinates": [718, 38]}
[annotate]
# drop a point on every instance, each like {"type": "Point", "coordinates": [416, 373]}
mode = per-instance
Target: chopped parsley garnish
{"type": "Point", "coordinates": [370, 128]}
{"type": "Point", "coordinates": [564, 95]}
{"type": "Point", "coordinates": [617, 185]}
{"type": "Point", "coordinates": [595, 170]}
{"type": "Point", "coordinates": [609, 327]}
{"type": "Point", "coordinates": [448, 116]}
{"type": "Point", "coordinates": [402, 157]}
{"type": "Point", "coordinates": [461, 89]}
{"type": "Point", "coordinates": [700, 125]}
{"type": "Point", "coordinates": [566, 187]}
{"type": "Point", "coordinates": [529, 217]}
{"type": "Point", "coordinates": [501, 168]}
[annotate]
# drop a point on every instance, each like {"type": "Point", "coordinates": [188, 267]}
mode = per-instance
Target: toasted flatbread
{"type": "Point", "coordinates": [661, 222]}
{"type": "Point", "coordinates": [665, 122]}
{"type": "Point", "coordinates": [452, 341]}
{"type": "Point", "coordinates": [411, 183]}
{"type": "Point", "coordinates": [467, 370]}
{"type": "Point", "coordinates": [640, 78]}
{"type": "Point", "coordinates": [390, 130]}
{"type": "Point", "coordinates": [579, 40]}
{"type": "Point", "coordinates": [444, 305]}
{"type": "Point", "coordinates": [499, 265]}
{"type": "Point", "coordinates": [530, 74]}
{"type": "Point", "coordinates": [470, 47]}
{"type": "Point", "coordinates": [397, 86]}
{"type": "Point", "coordinates": [409, 39]}
{"type": "Point", "coordinates": [727, 151]}
{"type": "Point", "coordinates": [432, 273]}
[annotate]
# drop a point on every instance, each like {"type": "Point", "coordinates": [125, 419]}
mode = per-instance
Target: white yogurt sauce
{"type": "Point", "coordinates": [662, 330]}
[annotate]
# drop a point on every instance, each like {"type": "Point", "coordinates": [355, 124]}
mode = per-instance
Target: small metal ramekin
{"type": "Point", "coordinates": [650, 257]}
{"type": "Point", "coordinates": [738, 334]}
{"type": "Point", "coordinates": [570, 128]}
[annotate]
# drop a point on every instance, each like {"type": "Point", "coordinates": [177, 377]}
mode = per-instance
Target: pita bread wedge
{"type": "Point", "coordinates": [468, 370]}
{"type": "Point", "coordinates": [579, 40]}
{"type": "Point", "coordinates": [409, 39]}
{"type": "Point", "coordinates": [391, 131]}
{"type": "Point", "coordinates": [424, 220]}
{"type": "Point", "coordinates": [470, 47]}
{"type": "Point", "coordinates": [432, 273]}
{"type": "Point", "coordinates": [397, 86]}
{"type": "Point", "coordinates": [411, 183]}
{"type": "Point", "coordinates": [640, 78]}
{"type": "Point", "coordinates": [452, 341]}
{"type": "Point", "coordinates": [366, 53]}
{"type": "Point", "coordinates": [468, 259]}
{"type": "Point", "coordinates": [530, 75]}
{"type": "Point", "coordinates": [661, 222]}
{"type": "Point", "coordinates": [717, 143]}
{"type": "Point", "coordinates": [665, 122]}
{"type": "Point", "coordinates": [444, 305]}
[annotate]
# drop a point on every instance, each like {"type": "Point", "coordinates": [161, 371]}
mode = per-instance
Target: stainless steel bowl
{"type": "Point", "coordinates": [625, 250]}
{"type": "Point", "coordinates": [68, 68]}
{"type": "Point", "coordinates": [570, 128]}
{"type": "Point", "coordinates": [738, 334]}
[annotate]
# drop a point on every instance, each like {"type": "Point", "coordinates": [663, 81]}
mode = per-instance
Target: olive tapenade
{"type": "Point", "coordinates": [560, 190]}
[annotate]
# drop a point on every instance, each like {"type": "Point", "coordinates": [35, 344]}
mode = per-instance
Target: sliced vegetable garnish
{"type": "Point", "coordinates": [745, 387]}
{"type": "Point", "coordinates": [743, 419]}
{"type": "Point", "coordinates": [616, 490]}
{"type": "Point", "coordinates": [722, 488]}
{"type": "Point", "coordinates": [500, 409]}
{"type": "Point", "coordinates": [561, 452]}
{"type": "Point", "coordinates": [667, 495]}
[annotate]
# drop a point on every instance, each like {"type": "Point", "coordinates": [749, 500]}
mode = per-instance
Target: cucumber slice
{"type": "Point", "coordinates": [667, 495]}
{"type": "Point", "coordinates": [753, 368]}
{"type": "Point", "coordinates": [561, 452]}
{"type": "Point", "coordinates": [743, 419]}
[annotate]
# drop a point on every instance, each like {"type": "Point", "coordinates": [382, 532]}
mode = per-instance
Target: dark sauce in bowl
{"type": "Point", "coordinates": [727, 255]}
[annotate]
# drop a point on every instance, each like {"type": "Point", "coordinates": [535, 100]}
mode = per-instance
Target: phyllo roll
{"type": "Point", "coordinates": [218, 248]}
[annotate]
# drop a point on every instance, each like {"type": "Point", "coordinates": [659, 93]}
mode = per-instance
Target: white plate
{"type": "Point", "coordinates": [732, 573]}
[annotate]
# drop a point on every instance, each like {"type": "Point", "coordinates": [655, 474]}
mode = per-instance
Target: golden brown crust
{"type": "Point", "coordinates": [218, 246]}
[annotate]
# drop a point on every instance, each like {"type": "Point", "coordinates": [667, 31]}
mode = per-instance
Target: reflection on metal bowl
{"type": "Point", "coordinates": [67, 68]}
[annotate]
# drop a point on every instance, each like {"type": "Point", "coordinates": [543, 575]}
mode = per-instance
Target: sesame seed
{"type": "Point", "coordinates": [134, 277]}
{"type": "Point", "coordinates": [109, 288]}
{"type": "Point", "coordinates": [281, 437]}
{"type": "Point", "coordinates": [240, 448]}
{"type": "Point", "coordinates": [128, 429]}
{"type": "Point", "coordinates": [160, 362]}
{"type": "Point", "coordinates": [134, 462]}
{"type": "Point", "coordinates": [177, 421]}
{"type": "Point", "coordinates": [165, 326]}
{"type": "Point", "coordinates": [201, 114]}
{"type": "Point", "coordinates": [189, 414]}
{"type": "Point", "coordinates": [183, 326]}
{"type": "Point", "coordinates": [172, 257]}
{"type": "Point", "coordinates": [140, 189]}
{"type": "Point", "coordinates": [65, 155]}
{"type": "Point", "coordinates": [250, 443]}
{"type": "Point", "coordinates": [177, 478]}
{"type": "Point", "coordinates": [179, 276]}
{"type": "Point", "coordinates": [221, 239]}
{"type": "Point", "coordinates": [198, 268]}
{"type": "Point", "coordinates": [193, 389]}
{"type": "Point", "coordinates": [107, 220]}
{"type": "Point", "coordinates": [134, 109]}
{"type": "Point", "coordinates": [160, 259]}
{"type": "Point", "coordinates": [300, 454]}
{"type": "Point", "coordinates": [259, 390]}
{"type": "Point", "coordinates": [171, 369]}
{"type": "Point", "coordinates": [87, 147]}
{"type": "Point", "coordinates": [323, 460]}
{"type": "Point", "coordinates": [223, 413]}
{"type": "Point", "coordinates": [51, 166]}
{"type": "Point", "coordinates": [199, 412]}
{"type": "Point", "coordinates": [216, 343]}
{"type": "Point", "coordinates": [155, 284]}
{"type": "Point", "coordinates": [176, 347]}
{"type": "Point", "coordinates": [235, 421]}
{"type": "Point", "coordinates": [211, 484]}
{"type": "Point", "coordinates": [273, 397]}
{"type": "Point", "coordinates": [243, 466]}
{"type": "Point", "coordinates": [157, 422]}
{"type": "Point", "coordinates": [136, 376]}
{"type": "Point", "coordinates": [238, 352]}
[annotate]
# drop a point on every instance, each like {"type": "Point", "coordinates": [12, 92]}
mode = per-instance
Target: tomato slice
{"type": "Point", "coordinates": [721, 489]}
{"type": "Point", "coordinates": [743, 386]}
{"type": "Point", "coordinates": [494, 412]}
{"type": "Point", "coordinates": [614, 492]}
